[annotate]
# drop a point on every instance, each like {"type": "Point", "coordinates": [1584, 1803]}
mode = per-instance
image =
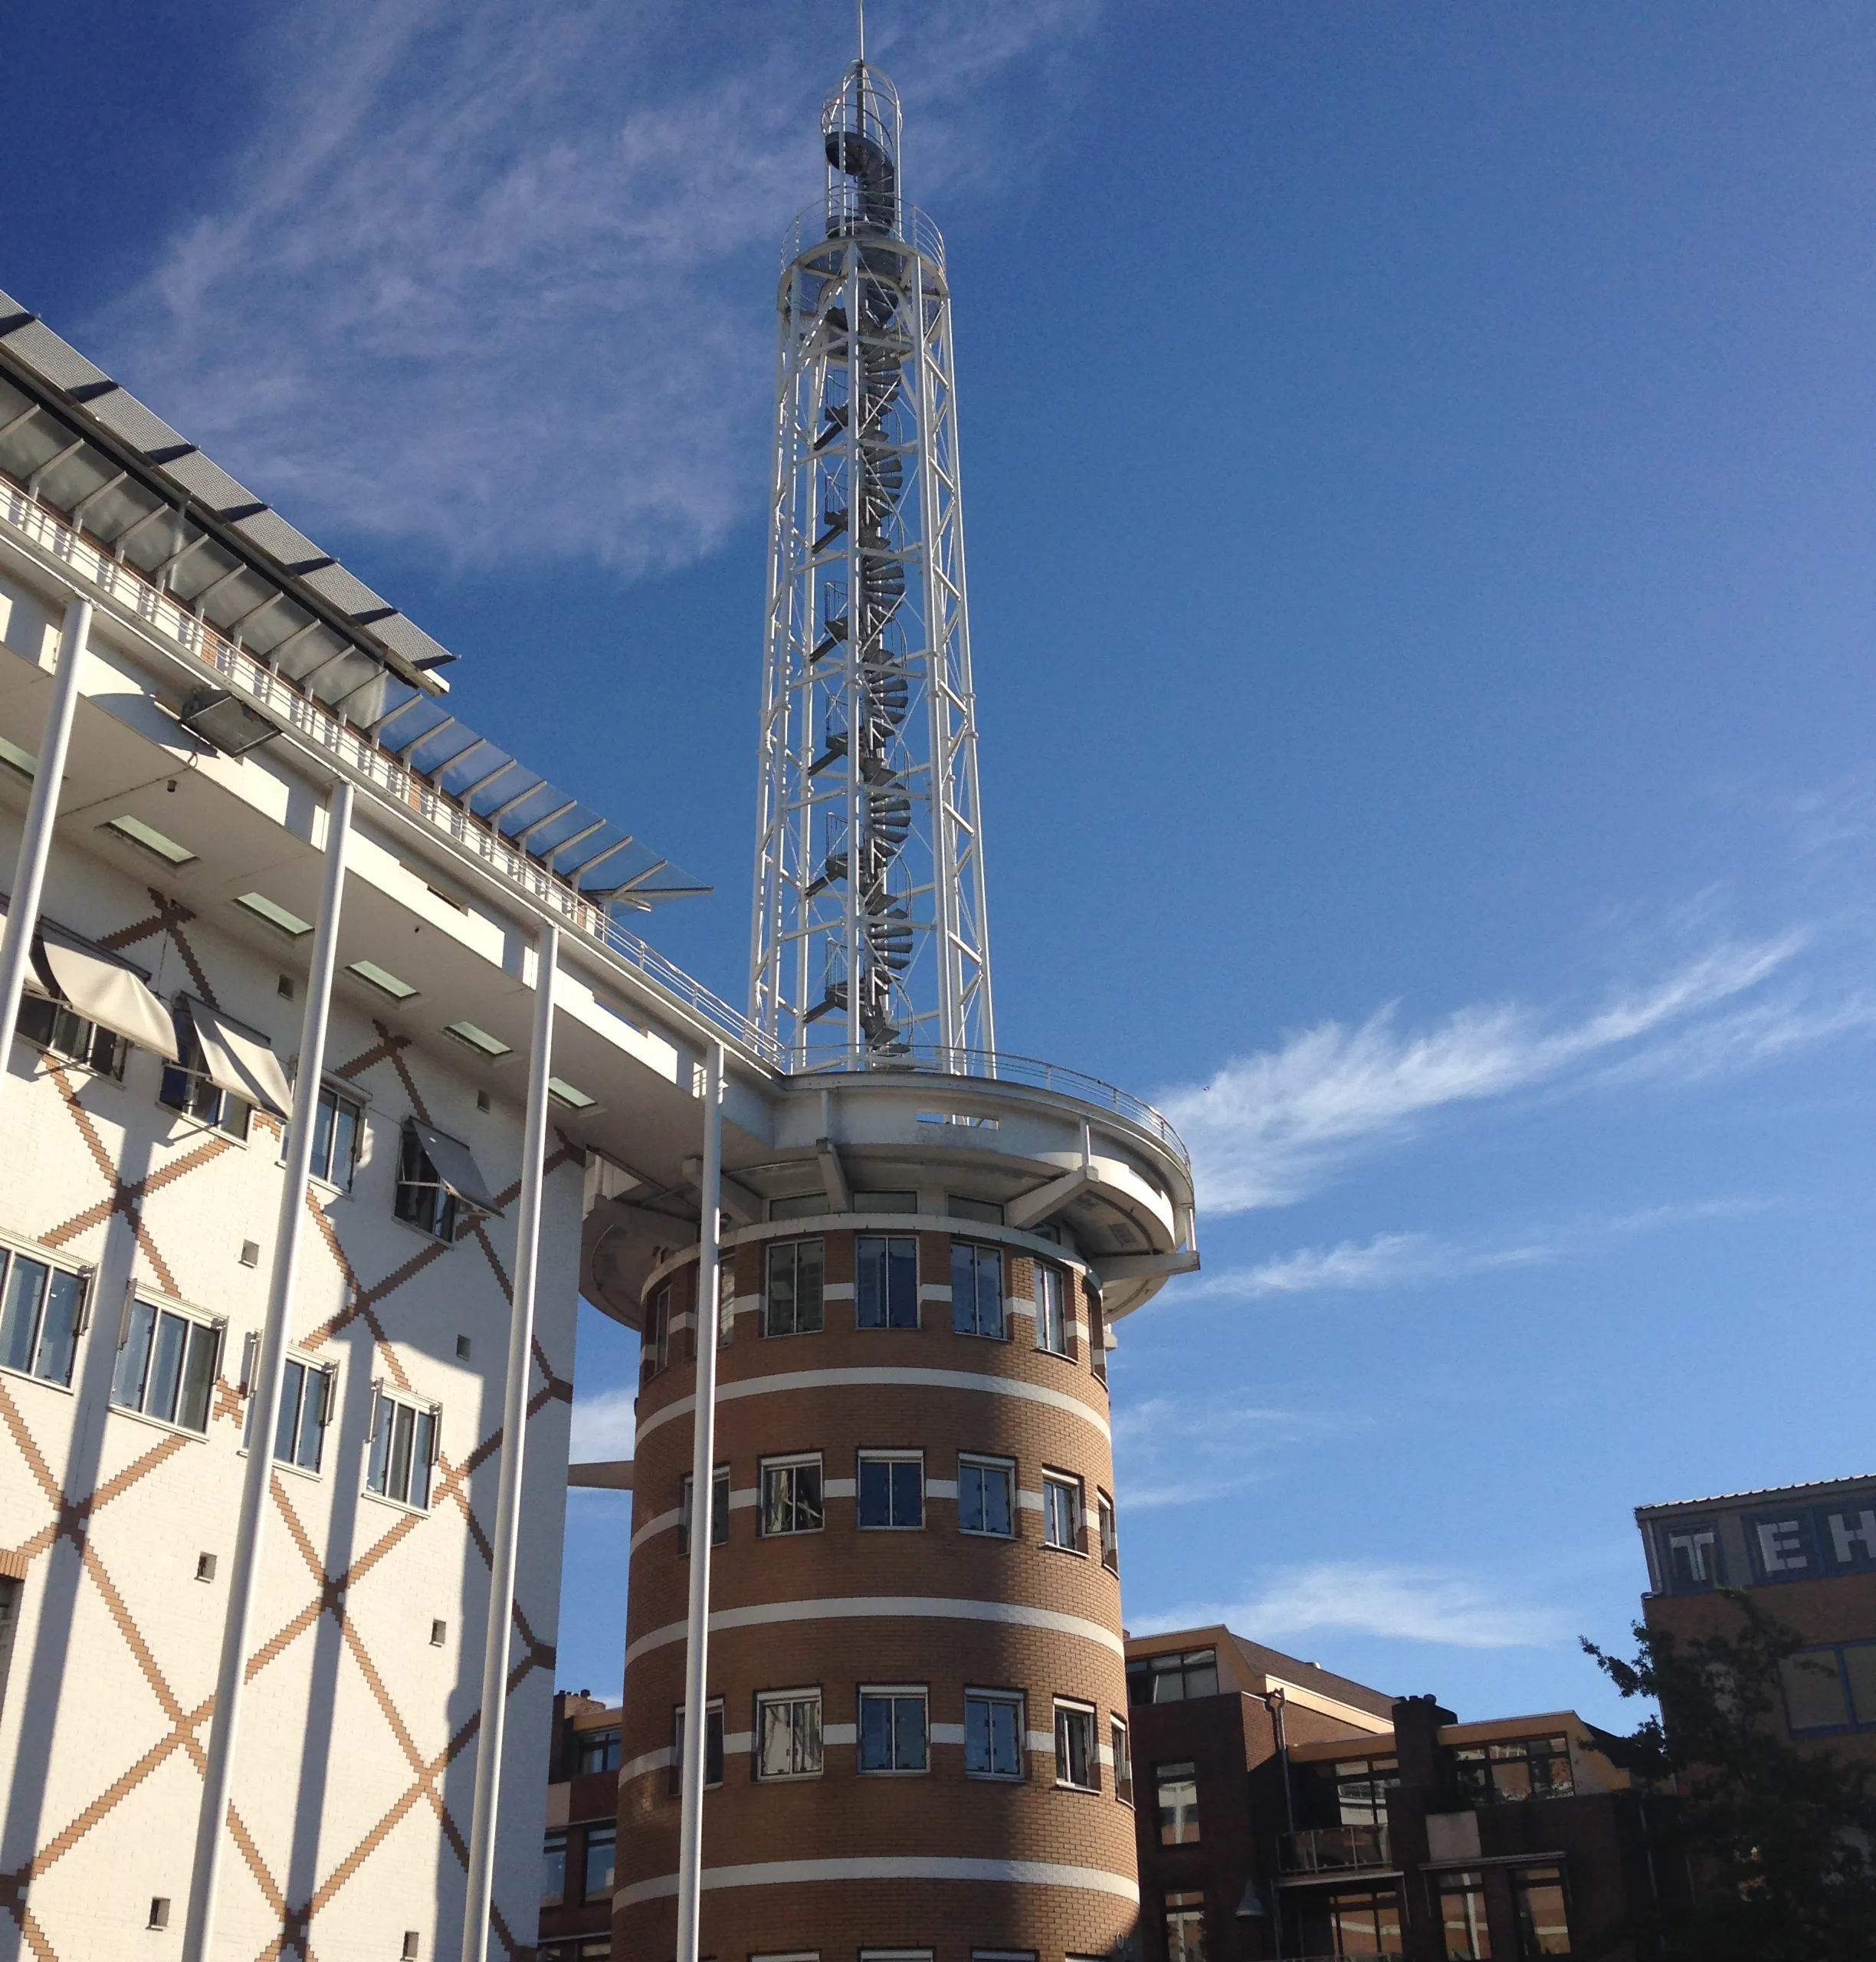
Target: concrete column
{"type": "Point", "coordinates": [41, 810]}
{"type": "Point", "coordinates": [702, 1517]}
{"type": "Point", "coordinates": [506, 1529]}
{"type": "Point", "coordinates": [211, 1839]}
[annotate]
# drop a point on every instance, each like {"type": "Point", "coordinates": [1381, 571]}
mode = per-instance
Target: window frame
{"type": "Point", "coordinates": [888, 1455]}
{"type": "Point", "coordinates": [712, 1724]}
{"type": "Point", "coordinates": [1052, 1289]}
{"type": "Point", "coordinates": [1097, 1341]}
{"type": "Point", "coordinates": [1120, 1749]}
{"type": "Point", "coordinates": [1466, 1884]}
{"type": "Point", "coordinates": [719, 1531]}
{"type": "Point", "coordinates": [893, 1694]}
{"type": "Point", "coordinates": [983, 1461]}
{"type": "Point", "coordinates": [1070, 1711]}
{"type": "Point", "coordinates": [977, 1255]}
{"type": "Point", "coordinates": [1107, 1531]}
{"type": "Point", "coordinates": [1549, 1873]}
{"type": "Point", "coordinates": [442, 1215]}
{"type": "Point", "coordinates": [1184, 1903]}
{"type": "Point", "coordinates": [198, 1323]}
{"type": "Point", "coordinates": [795, 1460]}
{"type": "Point", "coordinates": [1175, 1774]}
{"type": "Point", "coordinates": [655, 1336]}
{"type": "Point", "coordinates": [83, 1274]}
{"type": "Point", "coordinates": [798, 1324]}
{"type": "Point", "coordinates": [893, 1249]}
{"type": "Point", "coordinates": [187, 1087]}
{"type": "Point", "coordinates": [1055, 1482]}
{"type": "Point", "coordinates": [580, 1741]}
{"type": "Point", "coordinates": [1184, 1663]}
{"type": "Point", "coordinates": [386, 1400]}
{"type": "Point", "coordinates": [549, 1848]}
{"type": "Point", "coordinates": [62, 1037]}
{"type": "Point", "coordinates": [1013, 1699]}
{"type": "Point", "coordinates": [308, 1367]}
{"type": "Point", "coordinates": [320, 1168]}
{"type": "Point", "coordinates": [808, 1697]}
{"type": "Point", "coordinates": [604, 1828]}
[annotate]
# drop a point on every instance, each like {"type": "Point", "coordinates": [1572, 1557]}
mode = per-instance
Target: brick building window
{"type": "Point", "coordinates": [792, 1302]}
{"type": "Point", "coordinates": [166, 1365]}
{"type": "Point", "coordinates": [891, 1489]}
{"type": "Point", "coordinates": [1178, 1789]}
{"type": "Point", "coordinates": [1519, 1768]}
{"type": "Point", "coordinates": [553, 1868]}
{"type": "Point", "coordinates": [1109, 1538]}
{"type": "Point", "coordinates": [993, 1733]}
{"type": "Point", "coordinates": [42, 1315]}
{"type": "Point", "coordinates": [1365, 1923]}
{"type": "Point", "coordinates": [790, 1495]}
{"type": "Point", "coordinates": [403, 1452]}
{"type": "Point", "coordinates": [1174, 1678]}
{"type": "Point", "coordinates": [1123, 1758]}
{"type": "Point", "coordinates": [788, 1734]}
{"type": "Point", "coordinates": [886, 1281]}
{"type": "Point", "coordinates": [655, 1337]}
{"type": "Point", "coordinates": [1186, 1928]}
{"type": "Point", "coordinates": [986, 1492]}
{"type": "Point", "coordinates": [1543, 1916]}
{"type": "Point", "coordinates": [1061, 1512]}
{"type": "Point", "coordinates": [712, 1745]}
{"type": "Point", "coordinates": [893, 1730]}
{"type": "Point", "coordinates": [1097, 1342]}
{"type": "Point", "coordinates": [1830, 1688]}
{"type": "Point", "coordinates": [719, 1511]}
{"type": "Point", "coordinates": [308, 1395]}
{"type": "Point", "coordinates": [596, 1869]}
{"type": "Point", "coordinates": [1077, 1766]}
{"type": "Point", "coordinates": [1462, 1916]}
{"type": "Point", "coordinates": [976, 1289]}
{"type": "Point", "coordinates": [595, 1751]}
{"type": "Point", "coordinates": [1052, 1328]}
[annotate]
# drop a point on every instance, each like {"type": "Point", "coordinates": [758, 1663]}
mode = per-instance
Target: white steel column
{"type": "Point", "coordinates": [506, 1530]}
{"type": "Point", "coordinates": [702, 1517]}
{"type": "Point", "coordinates": [41, 810]}
{"type": "Point", "coordinates": [204, 1888]}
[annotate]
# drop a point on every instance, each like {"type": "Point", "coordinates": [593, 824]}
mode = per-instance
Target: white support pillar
{"type": "Point", "coordinates": [41, 810]}
{"type": "Point", "coordinates": [210, 1835]}
{"type": "Point", "coordinates": [506, 1529]}
{"type": "Point", "coordinates": [702, 1517]}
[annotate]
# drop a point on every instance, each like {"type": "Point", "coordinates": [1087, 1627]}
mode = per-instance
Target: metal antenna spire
{"type": "Point", "coordinates": [860, 26]}
{"type": "Point", "coordinates": [868, 943]}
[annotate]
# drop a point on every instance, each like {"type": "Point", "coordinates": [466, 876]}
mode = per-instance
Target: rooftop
{"type": "Point", "coordinates": [1821, 1488]}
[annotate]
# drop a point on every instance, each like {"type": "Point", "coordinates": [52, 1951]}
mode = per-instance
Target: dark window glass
{"type": "Point", "coordinates": [403, 1450]}
{"type": "Point", "coordinates": [719, 1513]}
{"type": "Point", "coordinates": [1122, 1761]}
{"type": "Point", "coordinates": [892, 1730]}
{"type": "Point", "coordinates": [1365, 1924]}
{"type": "Point", "coordinates": [305, 1398]}
{"type": "Point", "coordinates": [1520, 1768]}
{"type": "Point", "coordinates": [553, 1868]}
{"type": "Point", "coordinates": [40, 1312]}
{"type": "Point", "coordinates": [52, 1025]}
{"type": "Point", "coordinates": [598, 1750]}
{"type": "Point", "coordinates": [891, 1491]}
{"type": "Point", "coordinates": [335, 1138]}
{"type": "Point", "coordinates": [186, 1086]}
{"type": "Point", "coordinates": [984, 1497]}
{"type": "Point", "coordinates": [1186, 1928]}
{"type": "Point", "coordinates": [886, 1281]}
{"type": "Point", "coordinates": [596, 1878]}
{"type": "Point", "coordinates": [792, 1304]}
{"type": "Point", "coordinates": [1179, 1804]}
{"type": "Point", "coordinates": [713, 1746]}
{"type": "Point", "coordinates": [1462, 1918]}
{"type": "Point", "coordinates": [1174, 1678]}
{"type": "Point", "coordinates": [1075, 1761]}
{"type": "Point", "coordinates": [791, 1500]}
{"type": "Point", "coordinates": [977, 1289]}
{"type": "Point", "coordinates": [166, 1367]}
{"type": "Point", "coordinates": [993, 1738]}
{"type": "Point", "coordinates": [1542, 1918]}
{"type": "Point", "coordinates": [422, 1200]}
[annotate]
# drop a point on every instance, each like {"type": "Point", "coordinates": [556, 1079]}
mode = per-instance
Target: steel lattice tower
{"type": "Point", "coordinates": [868, 941]}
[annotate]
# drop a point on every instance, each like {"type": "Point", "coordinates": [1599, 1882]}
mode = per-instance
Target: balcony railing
{"type": "Point", "coordinates": [1335, 1849]}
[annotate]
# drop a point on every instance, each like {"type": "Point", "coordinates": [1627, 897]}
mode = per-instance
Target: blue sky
{"type": "Point", "coordinates": [1419, 490]}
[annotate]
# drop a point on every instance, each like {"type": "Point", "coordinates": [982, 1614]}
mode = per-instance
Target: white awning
{"type": "Point", "coordinates": [110, 993]}
{"type": "Point", "coordinates": [240, 1060]}
{"type": "Point", "coordinates": [455, 1169]}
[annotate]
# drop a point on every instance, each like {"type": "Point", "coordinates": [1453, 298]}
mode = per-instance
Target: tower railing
{"type": "Point", "coordinates": [814, 225]}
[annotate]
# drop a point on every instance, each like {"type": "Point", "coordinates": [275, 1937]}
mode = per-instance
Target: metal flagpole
{"type": "Point", "coordinates": [41, 810]}
{"type": "Point", "coordinates": [507, 1524]}
{"type": "Point", "coordinates": [703, 1515]}
{"type": "Point", "coordinates": [218, 1775]}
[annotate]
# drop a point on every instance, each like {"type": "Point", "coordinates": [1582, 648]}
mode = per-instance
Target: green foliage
{"type": "Point", "coordinates": [1763, 1849]}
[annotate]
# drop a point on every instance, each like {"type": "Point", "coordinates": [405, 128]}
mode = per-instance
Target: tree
{"type": "Point", "coordinates": [1775, 1843]}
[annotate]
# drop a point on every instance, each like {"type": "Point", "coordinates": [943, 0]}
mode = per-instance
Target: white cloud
{"type": "Point", "coordinates": [605, 1426]}
{"type": "Point", "coordinates": [499, 275]}
{"type": "Point", "coordinates": [1271, 1127]}
{"type": "Point", "coordinates": [1181, 1450]}
{"type": "Point", "coordinates": [1352, 1597]}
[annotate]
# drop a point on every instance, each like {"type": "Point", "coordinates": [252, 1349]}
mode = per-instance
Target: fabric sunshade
{"type": "Point", "coordinates": [455, 1169]}
{"type": "Point", "coordinates": [106, 991]}
{"type": "Point", "coordinates": [239, 1060]}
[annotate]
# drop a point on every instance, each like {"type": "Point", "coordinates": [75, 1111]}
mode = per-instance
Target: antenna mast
{"type": "Point", "coordinates": [868, 943]}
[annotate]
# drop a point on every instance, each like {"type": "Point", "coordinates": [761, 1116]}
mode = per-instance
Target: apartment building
{"type": "Point", "coordinates": [1283, 1811]}
{"type": "Point", "coordinates": [580, 1851]}
{"type": "Point", "coordinates": [1807, 1555]}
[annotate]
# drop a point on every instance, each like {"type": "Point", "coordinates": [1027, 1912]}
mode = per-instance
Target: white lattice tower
{"type": "Point", "coordinates": [868, 943]}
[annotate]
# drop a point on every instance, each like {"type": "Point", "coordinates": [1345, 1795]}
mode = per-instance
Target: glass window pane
{"type": "Point", "coordinates": [1200, 1672]}
{"type": "Point", "coordinates": [909, 1733]}
{"type": "Point", "coordinates": [58, 1328]}
{"type": "Point", "coordinates": [1860, 1672]}
{"type": "Point", "coordinates": [292, 1388]}
{"type": "Point", "coordinates": [775, 1756]}
{"type": "Point", "coordinates": [875, 1493]}
{"type": "Point", "coordinates": [1815, 1695]}
{"type": "Point", "coordinates": [312, 1430]}
{"type": "Point", "coordinates": [963, 1288]}
{"type": "Point", "coordinates": [908, 1493]}
{"type": "Point", "coordinates": [1542, 1919]}
{"type": "Point", "coordinates": [553, 1867]}
{"type": "Point", "coordinates": [1179, 1805]}
{"type": "Point", "coordinates": [869, 1282]}
{"type": "Point", "coordinates": [808, 1516]}
{"type": "Point", "coordinates": [377, 1468]}
{"type": "Point", "coordinates": [902, 1283]}
{"type": "Point", "coordinates": [876, 1734]}
{"type": "Point", "coordinates": [199, 1377]}
{"type": "Point", "coordinates": [402, 1423]}
{"type": "Point", "coordinates": [19, 1315]}
{"type": "Point", "coordinates": [321, 1167]}
{"type": "Point", "coordinates": [808, 1275]}
{"type": "Point", "coordinates": [425, 1451]}
{"type": "Point", "coordinates": [166, 1369]}
{"type": "Point", "coordinates": [596, 1882]}
{"type": "Point", "coordinates": [808, 1734]}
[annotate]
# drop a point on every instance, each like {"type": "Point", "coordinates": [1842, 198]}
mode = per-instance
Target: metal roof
{"type": "Point", "coordinates": [1760, 1492]}
{"type": "Point", "coordinates": [80, 445]}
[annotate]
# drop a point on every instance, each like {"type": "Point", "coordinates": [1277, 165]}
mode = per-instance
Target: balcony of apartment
{"type": "Point", "coordinates": [1335, 1850]}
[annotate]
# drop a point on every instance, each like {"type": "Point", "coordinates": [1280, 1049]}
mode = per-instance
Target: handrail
{"type": "Point", "coordinates": [816, 225]}
{"type": "Point", "coordinates": [1335, 1849]}
{"type": "Point", "coordinates": [361, 756]}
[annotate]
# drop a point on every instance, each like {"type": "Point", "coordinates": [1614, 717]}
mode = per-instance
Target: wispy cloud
{"type": "Point", "coordinates": [1183, 1450]}
{"type": "Point", "coordinates": [1401, 1261]}
{"type": "Point", "coordinates": [1353, 1597]}
{"type": "Point", "coordinates": [1273, 1126]}
{"type": "Point", "coordinates": [498, 275]}
{"type": "Point", "coordinates": [605, 1426]}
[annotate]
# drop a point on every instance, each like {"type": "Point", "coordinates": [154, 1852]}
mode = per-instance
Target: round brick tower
{"type": "Point", "coordinates": [915, 1654]}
